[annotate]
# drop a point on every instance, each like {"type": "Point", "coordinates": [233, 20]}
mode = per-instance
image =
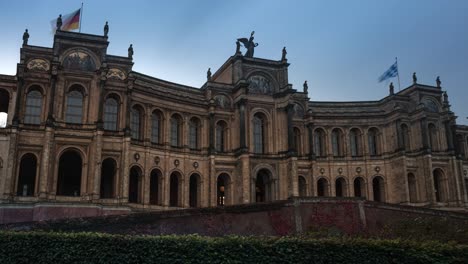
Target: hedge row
{"type": "Point", "coordinates": [40, 247]}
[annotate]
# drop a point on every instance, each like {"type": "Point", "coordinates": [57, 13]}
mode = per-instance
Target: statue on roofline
{"type": "Point", "coordinates": [25, 37]}
{"type": "Point", "coordinates": [249, 45]}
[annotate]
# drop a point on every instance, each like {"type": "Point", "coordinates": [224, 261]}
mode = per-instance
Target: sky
{"type": "Point", "coordinates": [339, 47]}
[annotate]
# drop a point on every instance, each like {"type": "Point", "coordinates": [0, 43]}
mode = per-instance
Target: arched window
{"type": "Point", "coordinates": [439, 187]}
{"type": "Point", "coordinates": [340, 187]}
{"type": "Point", "coordinates": [221, 131]}
{"type": "Point", "coordinates": [69, 174]}
{"type": "Point", "coordinates": [405, 136]}
{"type": "Point", "coordinates": [194, 133]}
{"type": "Point", "coordinates": [136, 124]}
{"type": "Point", "coordinates": [74, 112]}
{"type": "Point", "coordinates": [174, 192]}
{"type": "Point", "coordinates": [412, 188]}
{"type": "Point", "coordinates": [297, 140]}
{"type": "Point", "coordinates": [302, 186]}
{"type": "Point", "coordinates": [111, 114]}
{"type": "Point", "coordinates": [32, 113]}
{"type": "Point", "coordinates": [433, 143]}
{"type": "Point", "coordinates": [322, 187]}
{"type": "Point", "coordinates": [355, 142]}
{"type": "Point", "coordinates": [373, 138]}
{"type": "Point", "coordinates": [4, 104]}
{"type": "Point", "coordinates": [337, 142]}
{"type": "Point", "coordinates": [259, 133]}
{"type": "Point", "coordinates": [263, 186]}
{"type": "Point", "coordinates": [359, 187]}
{"type": "Point", "coordinates": [156, 118]}
{"type": "Point", "coordinates": [378, 188]}
{"type": "Point", "coordinates": [194, 190]}
{"type": "Point", "coordinates": [155, 187]}
{"type": "Point", "coordinates": [176, 129]}
{"type": "Point", "coordinates": [134, 186]}
{"type": "Point", "coordinates": [223, 190]}
{"type": "Point", "coordinates": [27, 175]}
{"type": "Point", "coordinates": [108, 170]}
{"type": "Point", "coordinates": [319, 143]}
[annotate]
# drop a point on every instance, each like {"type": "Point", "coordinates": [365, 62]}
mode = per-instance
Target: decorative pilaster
{"type": "Point", "coordinates": [291, 146]}
{"type": "Point", "coordinates": [242, 129]}
{"type": "Point", "coordinates": [310, 130]}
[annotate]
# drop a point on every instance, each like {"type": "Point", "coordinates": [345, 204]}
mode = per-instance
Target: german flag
{"type": "Point", "coordinates": [71, 21]}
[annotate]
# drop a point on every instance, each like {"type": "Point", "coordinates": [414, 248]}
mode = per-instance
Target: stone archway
{"type": "Point", "coordinates": [27, 175]}
{"type": "Point", "coordinates": [69, 174]}
{"type": "Point", "coordinates": [108, 170]}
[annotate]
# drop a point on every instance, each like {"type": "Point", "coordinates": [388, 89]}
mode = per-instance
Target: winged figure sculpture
{"type": "Point", "coordinates": [249, 45]}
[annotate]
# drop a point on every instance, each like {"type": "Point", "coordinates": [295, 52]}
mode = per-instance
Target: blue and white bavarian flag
{"type": "Point", "coordinates": [390, 73]}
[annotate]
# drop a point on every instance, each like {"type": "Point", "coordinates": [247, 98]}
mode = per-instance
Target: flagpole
{"type": "Point", "coordinates": [398, 74]}
{"type": "Point", "coordinates": [81, 15]}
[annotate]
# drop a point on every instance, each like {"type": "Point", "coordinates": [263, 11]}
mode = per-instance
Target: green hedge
{"type": "Point", "coordinates": [41, 247]}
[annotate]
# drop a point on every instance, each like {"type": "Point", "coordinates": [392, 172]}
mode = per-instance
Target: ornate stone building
{"type": "Point", "coordinates": [82, 127]}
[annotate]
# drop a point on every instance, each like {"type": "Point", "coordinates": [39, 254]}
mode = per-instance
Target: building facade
{"type": "Point", "coordinates": [82, 127]}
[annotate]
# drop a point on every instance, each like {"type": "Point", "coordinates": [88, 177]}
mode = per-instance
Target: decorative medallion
{"type": "Point", "coordinates": [222, 101]}
{"type": "Point", "coordinates": [195, 165]}
{"type": "Point", "coordinates": [38, 65]}
{"type": "Point", "coordinates": [79, 60]}
{"type": "Point", "coordinates": [259, 84]}
{"type": "Point", "coordinates": [340, 170]}
{"type": "Point", "coordinates": [377, 169]}
{"type": "Point", "coordinates": [176, 163]}
{"type": "Point", "coordinates": [358, 170]}
{"type": "Point", "coordinates": [114, 73]}
{"type": "Point", "coordinates": [157, 160]}
{"type": "Point", "coordinates": [136, 156]}
{"type": "Point", "coordinates": [322, 170]}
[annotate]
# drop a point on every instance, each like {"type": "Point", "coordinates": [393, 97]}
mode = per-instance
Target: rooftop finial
{"type": "Point", "coordinates": [306, 87]}
{"type": "Point", "coordinates": [208, 74]}
{"type": "Point", "coordinates": [392, 88]}
{"type": "Point", "coordinates": [59, 23]}
{"type": "Point", "coordinates": [415, 79]}
{"type": "Point", "coordinates": [438, 82]}
{"type": "Point", "coordinates": [283, 56]}
{"type": "Point", "coordinates": [130, 51]}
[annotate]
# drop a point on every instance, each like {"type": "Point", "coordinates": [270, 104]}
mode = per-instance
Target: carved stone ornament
{"type": "Point", "coordinates": [340, 170]}
{"type": "Point", "coordinates": [260, 85]}
{"type": "Point", "coordinates": [298, 111]}
{"type": "Point", "coordinates": [377, 169]}
{"type": "Point", "coordinates": [78, 60]}
{"type": "Point", "coordinates": [136, 156]}
{"type": "Point", "coordinates": [157, 160]}
{"type": "Point", "coordinates": [358, 169]}
{"type": "Point", "coordinates": [430, 106]}
{"type": "Point", "coordinates": [176, 163]}
{"type": "Point", "coordinates": [116, 74]}
{"type": "Point", "coordinates": [38, 65]}
{"type": "Point", "coordinates": [322, 170]}
{"type": "Point", "coordinates": [222, 101]}
{"type": "Point", "coordinates": [195, 165]}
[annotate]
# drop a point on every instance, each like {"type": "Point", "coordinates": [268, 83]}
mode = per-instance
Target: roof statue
{"type": "Point", "coordinates": [415, 79]}
{"type": "Point", "coordinates": [130, 51]}
{"type": "Point", "coordinates": [25, 37]}
{"type": "Point", "coordinates": [106, 29]}
{"type": "Point", "coordinates": [392, 88]}
{"type": "Point", "coordinates": [208, 74]}
{"type": "Point", "coordinates": [249, 45]}
{"type": "Point", "coordinates": [237, 47]}
{"type": "Point", "coordinates": [283, 56]}
{"type": "Point", "coordinates": [438, 82]}
{"type": "Point", "coordinates": [306, 87]}
{"type": "Point", "coordinates": [59, 22]}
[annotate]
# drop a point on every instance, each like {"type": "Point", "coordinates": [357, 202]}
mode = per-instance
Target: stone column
{"type": "Point", "coordinates": [97, 165]}
{"type": "Point", "coordinates": [290, 114]}
{"type": "Point", "coordinates": [100, 122]}
{"type": "Point", "coordinates": [294, 180]}
{"type": "Point", "coordinates": [212, 134]}
{"type": "Point", "coordinates": [425, 139]}
{"type": "Point", "coordinates": [246, 179]}
{"type": "Point", "coordinates": [9, 185]}
{"type": "Point", "coordinates": [449, 135]}
{"type": "Point", "coordinates": [400, 143]}
{"type": "Point", "coordinates": [19, 95]}
{"type": "Point", "coordinates": [50, 115]}
{"type": "Point", "coordinates": [47, 172]}
{"type": "Point", "coordinates": [242, 129]}
{"type": "Point", "coordinates": [310, 130]}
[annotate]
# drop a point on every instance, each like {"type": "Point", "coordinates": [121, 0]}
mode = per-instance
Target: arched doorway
{"type": "Point", "coordinates": [69, 174]}
{"type": "Point", "coordinates": [302, 186]}
{"type": "Point", "coordinates": [378, 187]}
{"type": "Point", "coordinates": [412, 188]}
{"type": "Point", "coordinates": [194, 190]}
{"type": "Point", "coordinates": [359, 187]}
{"type": "Point", "coordinates": [155, 186]}
{"type": "Point", "coordinates": [223, 189]}
{"type": "Point", "coordinates": [322, 187]}
{"type": "Point", "coordinates": [134, 186]}
{"type": "Point", "coordinates": [439, 188]}
{"type": "Point", "coordinates": [340, 187]}
{"type": "Point", "coordinates": [263, 192]}
{"type": "Point", "coordinates": [174, 199]}
{"type": "Point", "coordinates": [27, 175]}
{"type": "Point", "coordinates": [108, 169]}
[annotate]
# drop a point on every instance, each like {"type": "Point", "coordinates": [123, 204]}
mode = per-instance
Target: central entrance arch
{"type": "Point", "coordinates": [69, 174]}
{"type": "Point", "coordinates": [134, 186]}
{"type": "Point", "coordinates": [174, 189]}
{"type": "Point", "coordinates": [108, 169]}
{"type": "Point", "coordinates": [263, 186]}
